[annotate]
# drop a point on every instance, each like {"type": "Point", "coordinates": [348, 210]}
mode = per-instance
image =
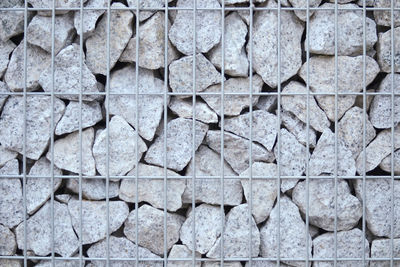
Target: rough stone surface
{"type": "Point", "coordinates": [93, 189]}
{"type": "Point", "coordinates": [226, 264]}
{"type": "Point", "coordinates": [208, 227]}
{"type": "Point", "coordinates": [38, 123]}
{"type": "Point", "coordinates": [236, 235]}
{"type": "Point", "coordinates": [182, 251]}
{"type": "Point", "coordinates": [302, 14]}
{"type": "Point", "coordinates": [386, 163]}
{"type": "Point", "coordinates": [184, 107]}
{"type": "Point", "coordinates": [349, 245]}
{"type": "Point", "coordinates": [267, 103]}
{"type": "Point", "coordinates": [6, 48]}
{"type": "Point", "coordinates": [90, 17]}
{"type": "Point", "coordinates": [179, 144]}
{"type": "Point", "coordinates": [11, 263]}
{"type": "Point", "coordinates": [3, 89]}
{"type": "Point", "coordinates": [236, 150]}
{"type": "Point", "coordinates": [61, 263]}
{"type": "Point", "coordinates": [151, 228]}
{"type": "Point", "coordinates": [8, 245]}
{"type": "Point", "coordinates": [208, 27]}
{"type": "Point", "coordinates": [265, 35]}
{"type": "Point", "coordinates": [121, 148]}
{"type": "Point", "coordinates": [152, 190]}
{"type": "Point", "coordinates": [12, 22]}
{"type": "Point", "coordinates": [299, 129]}
{"type": "Point", "coordinates": [384, 51]}
{"type": "Point", "coordinates": [145, 14]}
{"type": "Point", "coordinates": [262, 263]}
{"type": "Point", "coordinates": [120, 34]}
{"type": "Point", "coordinates": [384, 17]}
{"type": "Point", "coordinates": [94, 218]}
{"type": "Point", "coordinates": [58, 4]}
{"type": "Point", "coordinates": [292, 232]}
{"type": "Point", "coordinates": [6, 155]}
{"type": "Point", "coordinates": [349, 78]}
{"type": "Point", "coordinates": [381, 248]}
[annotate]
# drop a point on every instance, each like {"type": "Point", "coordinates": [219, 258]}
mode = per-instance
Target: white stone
{"type": "Point", "coordinates": [302, 14]}
{"type": "Point", "coordinates": [6, 48]}
{"type": "Point", "coordinates": [381, 248]}
{"type": "Point", "coordinates": [8, 245]}
{"type": "Point", "coordinates": [63, 198]}
{"type": "Point", "coordinates": [11, 263]}
{"type": "Point", "coordinates": [3, 89]}
{"type": "Point", "coordinates": [182, 251]}
{"type": "Point", "coordinates": [57, 4]}
{"type": "Point", "coordinates": [384, 51]}
{"type": "Point", "coordinates": [90, 17]}
{"type": "Point", "coordinates": [299, 129]}
{"type": "Point", "coordinates": [384, 17]}
{"type": "Point", "coordinates": [12, 22]}
{"type": "Point", "coordinates": [93, 189]}
{"type": "Point", "coordinates": [184, 108]}
{"type": "Point", "coordinates": [148, 4]}
{"type": "Point", "coordinates": [6, 155]}
{"type": "Point", "coordinates": [61, 263]}
{"type": "Point", "coordinates": [386, 163]}
{"type": "Point", "coordinates": [267, 103]}
{"type": "Point", "coordinates": [218, 263]}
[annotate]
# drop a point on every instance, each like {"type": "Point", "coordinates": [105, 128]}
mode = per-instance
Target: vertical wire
{"type": "Point", "coordinates": [392, 131]}
{"type": "Point", "coordinates": [336, 128]}
{"type": "Point", "coordinates": [137, 132]}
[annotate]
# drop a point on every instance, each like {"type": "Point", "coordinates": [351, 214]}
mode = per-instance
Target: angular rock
{"type": "Point", "coordinates": [297, 104]}
{"type": "Point", "coordinates": [236, 235]}
{"type": "Point", "coordinates": [63, 198]}
{"type": "Point", "coordinates": [148, 4]}
{"type": "Point", "coordinates": [39, 231]}
{"type": "Point", "coordinates": [208, 163]}
{"type": "Point", "coordinates": [384, 17]}
{"type": "Point", "coordinates": [384, 51]}
{"type": "Point", "coordinates": [179, 144]}
{"type": "Point", "coordinates": [267, 103]}
{"type": "Point", "coordinates": [236, 63]}
{"type": "Point", "coordinates": [58, 4]}
{"type": "Point", "coordinates": [302, 14]}
{"type": "Point", "coordinates": [208, 27]}
{"type": "Point", "coordinates": [263, 263]}
{"type": "Point", "coordinates": [120, 34]}
{"type": "Point", "coordinates": [11, 263]}
{"type": "Point", "coordinates": [208, 227]}
{"type": "Point", "coordinates": [12, 22]}
{"type": "Point", "coordinates": [152, 190]}
{"type": "Point", "coordinates": [90, 17]}
{"type": "Point", "coordinates": [386, 163]}
{"type": "Point", "coordinates": [292, 234]}
{"type": "Point", "coordinates": [299, 129]}
{"type": "Point", "coordinates": [349, 78]}
{"type": "Point", "coordinates": [67, 76]}
{"type": "Point", "coordinates": [6, 48]}
{"type": "Point", "coordinates": [121, 148]}
{"type": "Point", "coordinates": [233, 104]}
{"type": "Point", "coordinates": [8, 245]}
{"type": "Point", "coordinates": [61, 263]}
{"type": "Point", "coordinates": [381, 248]}
{"type": "Point", "coordinates": [91, 114]}
{"type": "Point", "coordinates": [182, 251]}
{"type": "Point", "coordinates": [350, 244]}
{"type": "Point", "coordinates": [151, 228]}
{"type": "Point", "coordinates": [38, 123]}
{"type": "Point", "coordinates": [183, 108]}
{"type": "Point", "coordinates": [264, 189]}
{"type": "Point", "coordinates": [265, 35]}
{"type": "Point", "coordinates": [218, 263]}
{"type": "Point", "coordinates": [6, 155]}
{"type": "Point", "coordinates": [93, 189]}
{"type": "Point", "coordinates": [94, 220]}
{"type": "Point", "coordinates": [236, 150]}
{"type": "Point", "coordinates": [3, 89]}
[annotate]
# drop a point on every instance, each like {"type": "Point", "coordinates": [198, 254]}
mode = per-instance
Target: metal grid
{"type": "Point", "coordinates": [136, 261]}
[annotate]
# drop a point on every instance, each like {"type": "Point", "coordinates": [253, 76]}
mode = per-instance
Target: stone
{"type": "Point", "coordinates": [120, 34]}
{"type": "Point", "coordinates": [369, 97]}
{"type": "Point", "coordinates": [40, 30]}
{"type": "Point", "coordinates": [148, 4]}
{"type": "Point", "coordinates": [184, 107]}
{"type": "Point", "coordinates": [181, 74]}
{"type": "Point", "coordinates": [386, 163]}
{"type": "Point", "coordinates": [384, 17]}
{"type": "Point", "coordinates": [236, 63]}
{"type": "Point", "coordinates": [6, 48]}
{"type": "Point", "coordinates": [93, 189]}
{"type": "Point", "coordinates": [381, 248]}
{"type": "Point", "coordinates": [208, 163]}
{"type": "Point", "coordinates": [236, 150]}
{"type": "Point", "coordinates": [38, 123]}
{"type": "Point", "coordinates": [67, 76]}
{"type": "Point", "coordinates": [121, 148]}
{"type": "Point", "coordinates": [236, 235]}
{"type": "Point", "coordinates": [302, 14]}
{"type": "Point", "coordinates": [61, 263]}
{"type": "Point", "coordinates": [11, 263]}
{"type": "Point", "coordinates": [37, 60]}
{"type": "Point", "coordinates": [150, 107]}
{"type": "Point", "coordinates": [179, 144]}
{"type": "Point", "coordinates": [94, 220]}
{"type": "Point", "coordinates": [264, 127]}
{"type": "Point", "coordinates": [208, 226]}
{"type": "Point", "coordinates": [8, 245]}
{"type": "Point", "coordinates": [90, 17]}
{"type": "Point", "coordinates": [151, 228]}
{"type": "Point", "coordinates": [267, 103]}
{"type": "Point", "coordinates": [226, 264]}
{"type": "Point", "coordinates": [58, 4]}
{"type": "Point", "coordinates": [151, 44]}
{"type": "Point", "coordinates": [39, 231]}
{"type": "Point", "coordinates": [381, 107]}
{"type": "Point", "coordinates": [38, 190]}
{"type": "Point", "coordinates": [265, 35]}
{"type": "Point", "coordinates": [233, 104]}
{"type": "Point", "coordinates": [299, 129]}
{"type": "Point", "coordinates": [12, 22]}
{"type": "Point", "coordinates": [349, 79]}
{"type": "Point", "coordinates": [3, 89]}
{"type": "Point", "coordinates": [350, 36]}
{"type": "Point", "coordinates": [91, 114]}
{"type": "Point", "coordinates": [384, 51]}
{"type": "Point", "coordinates": [297, 104]}
{"type": "Point", "coordinates": [350, 244]}
{"type": "Point", "coordinates": [68, 151]}
{"type": "Point", "coordinates": [63, 198]}
{"type": "Point", "coordinates": [182, 251]}
{"type": "Point", "coordinates": [6, 155]}
{"type": "Point", "coordinates": [264, 189]}
{"type": "Point", "coordinates": [120, 247]}
{"type": "Point", "coordinates": [292, 234]}
{"type": "Point", "coordinates": [208, 27]}
{"type": "Point", "coordinates": [152, 190]}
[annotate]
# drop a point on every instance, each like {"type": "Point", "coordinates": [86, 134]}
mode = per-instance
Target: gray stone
{"type": "Point", "coordinates": [236, 235]}
{"type": "Point", "coordinates": [8, 245]}
{"type": "Point", "coordinates": [120, 34]}
{"type": "Point", "coordinates": [233, 104]}
{"type": "Point", "coordinates": [369, 97]}
{"type": "Point", "coordinates": [236, 150]}
{"type": "Point", "coordinates": [151, 228]}
{"type": "Point", "coordinates": [208, 163]}
{"type": "Point", "coordinates": [11, 263]}
{"type": "Point", "coordinates": [267, 103]}
{"type": "Point", "coordinates": [6, 47]}
{"type": "Point", "coordinates": [148, 4]}
{"type": "Point", "coordinates": [181, 251]}
{"type": "Point", "coordinates": [61, 263]}
{"type": "Point", "coordinates": [152, 190]}
{"type": "Point", "coordinates": [231, 2]}
{"type": "Point", "coordinates": [39, 231]}
{"type": "Point", "coordinates": [181, 74]}
{"type": "Point", "coordinates": [151, 44]}
{"type": "Point", "coordinates": [38, 123]}
{"type": "Point", "coordinates": [218, 263]}
{"type": "Point", "coordinates": [265, 35]}
{"type": "Point", "coordinates": [57, 4]}
{"type": "Point", "coordinates": [263, 263]}
{"type": "Point", "coordinates": [236, 63]}
{"type": "Point", "coordinates": [68, 150]}
{"type": "Point", "coordinates": [381, 248]}
{"type": "Point", "coordinates": [264, 189]}
{"type": "Point", "coordinates": [208, 27]}
{"type": "Point", "coordinates": [3, 89]}
{"type": "Point", "coordinates": [299, 129]}
{"type": "Point", "coordinates": [292, 234]}
{"type": "Point", "coordinates": [386, 163]}
{"type": "Point", "coordinates": [94, 219]}
{"type": "Point", "coordinates": [37, 60]}
{"type": "Point", "coordinates": [91, 114]}
{"type": "Point", "coordinates": [184, 108]}
{"type": "Point", "coordinates": [12, 22]}
{"type": "Point", "coordinates": [179, 144]}
{"type": "Point", "coordinates": [349, 79]}
{"type": "Point", "coordinates": [350, 244]}
{"type": "Point", "coordinates": [67, 71]}
{"type": "Point", "coordinates": [384, 17]}
{"type": "Point", "coordinates": [90, 17]}
{"type": "Point", "coordinates": [121, 148]}
{"type": "Point", "coordinates": [6, 155]}
{"type": "Point", "coordinates": [302, 14]}
{"type": "Point", "coordinates": [384, 51]}
{"type": "Point", "coordinates": [93, 189]}
{"type": "Point", "coordinates": [208, 226]}
{"type": "Point", "coordinates": [63, 198]}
